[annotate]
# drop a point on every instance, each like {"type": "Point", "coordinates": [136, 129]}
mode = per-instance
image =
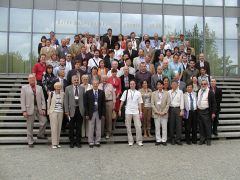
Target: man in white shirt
{"type": "Point", "coordinates": [95, 60]}
{"type": "Point", "coordinates": [133, 110]}
{"type": "Point", "coordinates": [176, 113]}
{"type": "Point", "coordinates": [114, 66]}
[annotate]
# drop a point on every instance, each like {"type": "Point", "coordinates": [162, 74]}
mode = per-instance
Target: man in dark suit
{"type": "Point", "coordinates": [94, 101]}
{"type": "Point", "coordinates": [156, 77]}
{"type": "Point", "coordinates": [218, 96]}
{"type": "Point", "coordinates": [109, 59]}
{"type": "Point", "coordinates": [126, 78]}
{"type": "Point", "coordinates": [206, 112]}
{"type": "Point", "coordinates": [83, 55]}
{"type": "Point", "coordinates": [135, 42]}
{"type": "Point", "coordinates": [130, 51]}
{"type": "Point", "coordinates": [76, 71]}
{"type": "Point", "coordinates": [60, 78]}
{"type": "Point", "coordinates": [109, 39]}
{"type": "Point", "coordinates": [203, 63]}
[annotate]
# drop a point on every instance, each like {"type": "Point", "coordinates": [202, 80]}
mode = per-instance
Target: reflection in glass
{"type": "Point", "coordinates": [231, 60]}
{"type": "Point", "coordinates": [173, 1]}
{"type": "Point", "coordinates": [66, 21]}
{"type": "Point", "coordinates": [3, 19]}
{"type": "Point", "coordinates": [193, 26]}
{"type": "Point", "coordinates": [43, 15]}
{"type": "Point", "coordinates": [153, 1]}
{"type": "Point", "coordinates": [214, 2]}
{"type": "Point", "coordinates": [215, 26]}
{"type": "Point", "coordinates": [19, 56]}
{"type": "Point", "coordinates": [193, 2]}
{"type": "Point", "coordinates": [36, 41]}
{"type": "Point", "coordinates": [131, 23]}
{"type": "Point", "coordinates": [231, 28]}
{"type": "Point", "coordinates": [173, 24]}
{"type": "Point", "coordinates": [231, 2]}
{"type": "Point", "coordinates": [110, 20]}
{"type": "Point", "coordinates": [88, 22]}
{"type": "Point", "coordinates": [197, 44]}
{"type": "Point", "coordinates": [20, 19]}
{"type": "Point", "coordinates": [152, 24]}
{"type": "Point", "coordinates": [3, 52]}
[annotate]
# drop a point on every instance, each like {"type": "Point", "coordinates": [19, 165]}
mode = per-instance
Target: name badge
{"type": "Point", "coordinates": [76, 97]}
{"type": "Point", "coordinates": [158, 103]}
{"type": "Point", "coordinates": [176, 72]}
{"type": "Point", "coordinates": [95, 103]}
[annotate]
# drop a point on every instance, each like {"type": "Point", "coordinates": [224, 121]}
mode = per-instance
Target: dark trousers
{"type": "Point", "coordinates": [75, 125]}
{"type": "Point", "coordinates": [190, 126]}
{"type": "Point", "coordinates": [205, 124]}
{"type": "Point", "coordinates": [64, 122]}
{"type": "Point", "coordinates": [175, 124]}
{"type": "Point", "coordinates": [215, 123]}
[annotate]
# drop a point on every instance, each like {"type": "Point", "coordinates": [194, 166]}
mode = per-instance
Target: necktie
{"type": "Point", "coordinates": [201, 96]}
{"type": "Point", "coordinates": [34, 93]}
{"type": "Point", "coordinates": [95, 100]}
{"type": "Point", "coordinates": [191, 102]}
{"type": "Point", "coordinates": [76, 90]}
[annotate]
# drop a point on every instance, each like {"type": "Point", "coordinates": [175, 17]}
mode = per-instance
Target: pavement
{"type": "Point", "coordinates": [221, 161]}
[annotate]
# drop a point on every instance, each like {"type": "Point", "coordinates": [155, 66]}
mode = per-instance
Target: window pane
{"type": "Point", "coordinates": [231, 2]}
{"type": "Point", "coordinates": [43, 15]}
{"type": "Point", "coordinates": [19, 56]}
{"type": "Point", "coordinates": [197, 44]}
{"type": "Point", "coordinates": [213, 2]}
{"type": "Point", "coordinates": [36, 41]}
{"type": "Point", "coordinates": [131, 23]}
{"type": "Point", "coordinates": [20, 19]}
{"type": "Point", "coordinates": [110, 20]}
{"type": "Point", "coordinates": [173, 2]}
{"type": "Point", "coordinates": [194, 2]}
{"type": "Point", "coordinates": [231, 28]}
{"type": "Point", "coordinates": [3, 19]}
{"type": "Point", "coordinates": [66, 21]}
{"type": "Point", "coordinates": [153, 1]}
{"type": "Point", "coordinates": [214, 55]}
{"type": "Point", "coordinates": [215, 26]}
{"type": "Point", "coordinates": [131, 0]}
{"type": "Point", "coordinates": [88, 22]}
{"type": "Point", "coordinates": [193, 26]}
{"type": "Point", "coordinates": [173, 24]}
{"type": "Point", "coordinates": [3, 52]}
{"type": "Point", "coordinates": [231, 61]}
{"type": "Point", "coordinates": [152, 24]}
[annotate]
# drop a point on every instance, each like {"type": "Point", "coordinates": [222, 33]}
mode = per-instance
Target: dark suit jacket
{"type": "Point", "coordinates": [157, 53]}
{"type": "Point", "coordinates": [65, 84]}
{"type": "Point", "coordinates": [206, 66]}
{"type": "Point", "coordinates": [108, 63]}
{"type": "Point", "coordinates": [87, 56]}
{"type": "Point", "coordinates": [133, 55]}
{"type": "Point", "coordinates": [89, 103]}
{"type": "Point", "coordinates": [212, 103]}
{"type": "Point", "coordinates": [71, 73]}
{"type": "Point", "coordinates": [218, 98]}
{"type": "Point", "coordinates": [130, 77]}
{"type": "Point", "coordinates": [110, 45]}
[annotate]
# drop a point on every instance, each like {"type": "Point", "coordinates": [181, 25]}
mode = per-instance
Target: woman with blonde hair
{"type": "Point", "coordinates": [55, 112]}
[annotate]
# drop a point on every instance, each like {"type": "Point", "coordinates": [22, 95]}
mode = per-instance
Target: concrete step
{"type": "Point", "coordinates": [227, 128]}
{"type": "Point", "coordinates": [229, 87]}
{"type": "Point", "coordinates": [10, 89]}
{"type": "Point", "coordinates": [230, 105]}
{"type": "Point", "coordinates": [10, 94]}
{"type": "Point", "coordinates": [229, 121]}
{"type": "Point", "coordinates": [230, 95]}
{"type": "Point", "coordinates": [227, 110]}
{"type": "Point", "coordinates": [25, 81]}
{"type": "Point", "coordinates": [11, 85]}
{"type": "Point", "coordinates": [229, 134]}
{"type": "Point", "coordinates": [230, 91]}
{"type": "Point", "coordinates": [13, 76]}
{"type": "Point", "coordinates": [9, 105]}
{"type": "Point", "coordinates": [229, 116]}
{"type": "Point", "coordinates": [237, 83]}
{"type": "Point", "coordinates": [227, 99]}
{"type": "Point", "coordinates": [10, 99]}
{"type": "Point", "coordinates": [10, 111]}
{"type": "Point", "coordinates": [12, 118]}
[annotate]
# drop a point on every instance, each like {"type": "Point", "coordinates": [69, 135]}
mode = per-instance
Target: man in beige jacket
{"type": "Point", "coordinates": [33, 104]}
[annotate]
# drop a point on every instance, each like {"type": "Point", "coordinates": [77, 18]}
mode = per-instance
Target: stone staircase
{"type": "Point", "coordinates": [13, 125]}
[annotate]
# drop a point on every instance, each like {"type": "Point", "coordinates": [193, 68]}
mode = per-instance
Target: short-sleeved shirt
{"type": "Point", "coordinates": [134, 98]}
{"type": "Point", "coordinates": [38, 69]}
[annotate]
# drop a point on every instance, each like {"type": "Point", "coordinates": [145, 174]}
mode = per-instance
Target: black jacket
{"type": "Point", "coordinates": [130, 77]}
{"type": "Point", "coordinates": [206, 66]}
{"type": "Point", "coordinates": [65, 84]}
{"type": "Point", "coordinates": [218, 97]}
{"type": "Point", "coordinates": [133, 55]}
{"type": "Point", "coordinates": [212, 103]}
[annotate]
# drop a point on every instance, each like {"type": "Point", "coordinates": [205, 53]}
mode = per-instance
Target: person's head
{"type": "Point", "coordinates": [61, 73]}
{"type": "Point", "coordinates": [95, 84]}
{"type": "Point", "coordinates": [159, 69]}
{"type": "Point", "coordinates": [147, 43]}
{"type": "Point", "coordinates": [175, 58]}
{"type": "Point", "coordinates": [63, 42]}
{"type": "Point", "coordinates": [76, 39]}
{"type": "Point", "coordinates": [85, 79]}
{"type": "Point", "coordinates": [189, 51]}
{"type": "Point", "coordinates": [90, 39]}
{"type": "Point", "coordinates": [96, 53]}
{"type": "Point", "coordinates": [68, 39]}
{"type": "Point", "coordinates": [155, 36]}
{"type": "Point", "coordinates": [109, 32]}
{"type": "Point", "coordinates": [187, 44]}
{"type": "Point", "coordinates": [68, 57]}
{"type": "Point", "coordinates": [213, 82]}
{"type": "Point", "coordinates": [202, 71]}
{"type": "Point", "coordinates": [52, 34]}
{"type": "Point", "coordinates": [83, 50]}
{"type": "Point", "coordinates": [62, 62]}
{"type": "Point", "coordinates": [161, 45]}
{"type": "Point", "coordinates": [93, 47]}
{"type": "Point", "coordinates": [104, 79]}
{"type": "Point", "coordinates": [189, 87]}
{"type": "Point", "coordinates": [181, 48]}
{"type": "Point", "coordinates": [128, 62]}
{"type": "Point", "coordinates": [57, 86]}
{"type": "Point", "coordinates": [120, 37]}
{"type": "Point", "coordinates": [77, 64]}
{"type": "Point", "coordinates": [97, 37]}
{"type": "Point", "coordinates": [48, 42]}
{"type": "Point", "coordinates": [114, 72]}
{"type": "Point", "coordinates": [165, 81]}
{"type": "Point", "coordinates": [176, 50]}
{"type": "Point", "coordinates": [181, 37]}
{"type": "Point", "coordinates": [204, 84]}
{"type": "Point", "coordinates": [144, 84]}
{"type": "Point", "coordinates": [126, 70]}
{"type": "Point", "coordinates": [161, 57]}
{"type": "Point", "coordinates": [94, 70]}
{"type": "Point", "coordinates": [168, 52]}
{"type": "Point", "coordinates": [159, 85]}
{"type": "Point", "coordinates": [117, 46]}
{"type": "Point", "coordinates": [53, 41]}
{"type": "Point", "coordinates": [42, 58]}
{"type": "Point", "coordinates": [194, 80]}
{"type": "Point", "coordinates": [165, 64]}
{"type": "Point", "coordinates": [141, 53]}
{"type": "Point", "coordinates": [184, 58]}
{"type": "Point", "coordinates": [43, 39]}
{"type": "Point", "coordinates": [103, 50]}
{"type": "Point", "coordinates": [176, 77]}
{"type": "Point", "coordinates": [132, 84]}
{"type": "Point", "coordinates": [125, 56]}
{"type": "Point", "coordinates": [84, 62]}
{"type": "Point", "coordinates": [101, 64]}
{"type": "Point", "coordinates": [114, 65]}
{"type": "Point", "coordinates": [111, 53]}
{"type": "Point", "coordinates": [192, 63]}
{"type": "Point", "coordinates": [75, 80]}
{"type": "Point", "coordinates": [174, 85]}
{"type": "Point", "coordinates": [147, 58]}
{"type": "Point", "coordinates": [201, 57]}
{"type": "Point", "coordinates": [146, 37]}
{"type": "Point", "coordinates": [32, 79]}
{"type": "Point", "coordinates": [49, 69]}
{"type": "Point", "coordinates": [129, 45]}
{"type": "Point", "coordinates": [133, 35]}
{"type": "Point", "coordinates": [164, 39]}
{"type": "Point", "coordinates": [172, 38]}
{"type": "Point", "coordinates": [143, 67]}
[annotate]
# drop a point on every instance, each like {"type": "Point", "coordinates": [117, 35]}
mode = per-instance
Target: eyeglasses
{"type": "Point", "coordinates": [204, 84]}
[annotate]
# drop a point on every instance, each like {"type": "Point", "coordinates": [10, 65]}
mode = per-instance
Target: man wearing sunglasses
{"type": "Point", "coordinates": [206, 112]}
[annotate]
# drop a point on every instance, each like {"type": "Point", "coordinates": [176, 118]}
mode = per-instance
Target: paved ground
{"type": "Point", "coordinates": [118, 161]}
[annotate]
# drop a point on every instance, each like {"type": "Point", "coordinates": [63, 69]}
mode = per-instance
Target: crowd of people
{"type": "Point", "coordinates": [95, 81]}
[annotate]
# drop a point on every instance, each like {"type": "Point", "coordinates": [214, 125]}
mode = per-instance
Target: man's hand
{"type": "Point", "coordinates": [87, 118]}
{"type": "Point", "coordinates": [25, 114]}
{"type": "Point", "coordinates": [161, 113]}
{"type": "Point", "coordinates": [43, 112]}
{"type": "Point", "coordinates": [67, 113]}
{"type": "Point", "coordinates": [213, 116]}
{"type": "Point", "coordinates": [181, 113]}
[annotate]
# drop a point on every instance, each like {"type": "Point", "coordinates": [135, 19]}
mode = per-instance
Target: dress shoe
{"type": "Point", "coordinates": [173, 142]}
{"type": "Point", "coordinates": [140, 144]}
{"type": "Point", "coordinates": [97, 145]}
{"type": "Point", "coordinates": [78, 145]}
{"type": "Point", "coordinates": [201, 142]}
{"type": "Point", "coordinates": [58, 146]}
{"type": "Point", "coordinates": [215, 133]}
{"type": "Point", "coordinates": [91, 145]}
{"type": "Point", "coordinates": [194, 142]}
{"type": "Point", "coordinates": [179, 143]}
{"type": "Point", "coordinates": [208, 142]}
{"type": "Point", "coordinates": [42, 137]}
{"type": "Point", "coordinates": [130, 143]}
{"type": "Point", "coordinates": [157, 143]}
{"type": "Point", "coordinates": [54, 147]}
{"type": "Point", "coordinates": [71, 145]}
{"type": "Point", "coordinates": [30, 145]}
{"type": "Point", "coordinates": [164, 144]}
{"type": "Point", "coordinates": [189, 143]}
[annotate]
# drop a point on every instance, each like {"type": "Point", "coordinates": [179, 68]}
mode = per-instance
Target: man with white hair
{"type": "Point", "coordinates": [155, 43]}
{"type": "Point", "coordinates": [97, 41]}
{"type": "Point", "coordinates": [114, 66]}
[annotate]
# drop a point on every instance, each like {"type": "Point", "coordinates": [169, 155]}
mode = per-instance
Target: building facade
{"type": "Point", "coordinates": [212, 26]}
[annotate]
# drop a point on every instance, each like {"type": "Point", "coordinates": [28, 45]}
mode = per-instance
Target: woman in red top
{"type": "Point", "coordinates": [121, 41]}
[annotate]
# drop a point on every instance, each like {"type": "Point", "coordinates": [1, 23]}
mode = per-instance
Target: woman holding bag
{"type": "Point", "coordinates": [55, 112]}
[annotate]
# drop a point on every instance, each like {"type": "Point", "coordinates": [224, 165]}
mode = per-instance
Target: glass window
{"type": "Point", "coordinates": [43, 15]}
{"type": "Point", "coordinates": [3, 52]}
{"type": "Point", "coordinates": [3, 19]}
{"type": "Point", "coordinates": [193, 2]}
{"type": "Point", "coordinates": [215, 26]}
{"type": "Point", "coordinates": [173, 2]}
{"type": "Point", "coordinates": [152, 24]}
{"type": "Point", "coordinates": [110, 20]}
{"type": "Point", "coordinates": [88, 22]}
{"type": "Point", "coordinates": [153, 1]}
{"type": "Point", "coordinates": [131, 0]}
{"type": "Point", "coordinates": [193, 26]}
{"type": "Point", "coordinates": [66, 21]}
{"type": "Point", "coordinates": [231, 2]}
{"type": "Point", "coordinates": [231, 28]}
{"type": "Point", "coordinates": [197, 44]}
{"type": "Point", "coordinates": [20, 20]}
{"type": "Point", "coordinates": [36, 41]}
{"type": "Point", "coordinates": [19, 52]}
{"type": "Point", "coordinates": [214, 2]}
{"type": "Point", "coordinates": [131, 23]}
{"type": "Point", "coordinates": [173, 24]}
{"type": "Point", "coordinates": [214, 55]}
{"type": "Point", "coordinates": [231, 59]}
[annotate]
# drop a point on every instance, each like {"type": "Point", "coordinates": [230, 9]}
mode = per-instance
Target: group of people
{"type": "Point", "coordinates": [95, 81]}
